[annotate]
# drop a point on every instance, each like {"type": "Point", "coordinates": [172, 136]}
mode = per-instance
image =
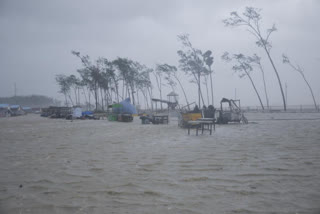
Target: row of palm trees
{"type": "Point", "coordinates": [106, 81]}
{"type": "Point", "coordinates": [109, 81]}
{"type": "Point", "coordinates": [250, 19]}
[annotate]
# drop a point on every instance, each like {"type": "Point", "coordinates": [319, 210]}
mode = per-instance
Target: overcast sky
{"type": "Point", "coordinates": [37, 37]}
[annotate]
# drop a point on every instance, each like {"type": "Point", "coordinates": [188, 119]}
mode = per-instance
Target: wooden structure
{"type": "Point", "coordinates": [56, 112]}
{"type": "Point", "coordinates": [188, 116]}
{"type": "Point", "coordinates": [119, 113]}
{"type": "Point", "coordinates": [195, 115]}
{"type": "Point", "coordinates": [212, 120]}
{"type": "Point", "coordinates": [172, 101]}
{"type": "Point", "coordinates": [203, 124]}
{"type": "Point", "coordinates": [173, 98]}
{"type": "Point", "coordinates": [231, 113]}
{"type": "Point", "coordinates": [160, 119]}
{"type": "Point", "coordinates": [125, 117]}
{"type": "Point", "coordinates": [100, 115]}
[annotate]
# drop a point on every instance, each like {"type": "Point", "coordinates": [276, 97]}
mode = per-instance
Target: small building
{"type": "Point", "coordinates": [173, 100]}
{"type": "Point", "coordinates": [5, 110]}
{"type": "Point", "coordinates": [27, 109]}
{"type": "Point", "coordinates": [173, 97]}
{"type": "Point", "coordinates": [36, 110]}
{"type": "Point", "coordinates": [16, 110]}
{"type": "Point", "coordinates": [77, 112]}
{"type": "Point", "coordinates": [56, 112]}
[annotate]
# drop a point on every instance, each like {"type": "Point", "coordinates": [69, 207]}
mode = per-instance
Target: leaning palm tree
{"type": "Point", "coordinates": [297, 68]}
{"type": "Point", "coordinates": [257, 61]}
{"type": "Point", "coordinates": [251, 20]}
{"type": "Point", "coordinates": [243, 68]}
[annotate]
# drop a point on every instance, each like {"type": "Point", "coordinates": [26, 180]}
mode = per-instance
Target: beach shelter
{"type": "Point", "coordinates": [76, 112]}
{"type": "Point", "coordinates": [5, 110]}
{"type": "Point", "coordinates": [87, 113]}
{"type": "Point", "coordinates": [127, 107]}
{"type": "Point", "coordinates": [27, 109]}
{"type": "Point", "coordinates": [124, 106]}
{"type": "Point", "coordinates": [16, 110]}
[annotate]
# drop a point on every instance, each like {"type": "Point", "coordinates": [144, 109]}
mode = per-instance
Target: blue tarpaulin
{"type": "Point", "coordinates": [4, 105]}
{"type": "Point", "coordinates": [25, 108]}
{"type": "Point", "coordinates": [84, 113]}
{"type": "Point", "coordinates": [126, 107]}
{"type": "Point", "coordinates": [15, 106]}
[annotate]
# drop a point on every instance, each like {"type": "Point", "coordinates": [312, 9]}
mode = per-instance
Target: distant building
{"type": "Point", "coordinates": [16, 110]}
{"type": "Point", "coordinates": [36, 110]}
{"type": "Point", "coordinates": [27, 109]}
{"type": "Point", "coordinates": [5, 110]}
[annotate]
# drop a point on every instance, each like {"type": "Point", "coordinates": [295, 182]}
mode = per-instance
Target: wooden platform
{"type": "Point", "coordinates": [160, 119]}
{"type": "Point", "coordinates": [203, 124]}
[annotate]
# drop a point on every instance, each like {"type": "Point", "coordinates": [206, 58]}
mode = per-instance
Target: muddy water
{"type": "Point", "coordinates": [271, 165]}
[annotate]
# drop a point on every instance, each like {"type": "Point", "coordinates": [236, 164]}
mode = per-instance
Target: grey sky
{"type": "Point", "coordinates": [37, 37]}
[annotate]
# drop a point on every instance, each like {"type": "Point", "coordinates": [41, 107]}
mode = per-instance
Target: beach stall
{"type": "Point", "coordinates": [77, 112]}
{"type": "Point", "coordinates": [87, 115]}
{"type": "Point", "coordinates": [122, 111]}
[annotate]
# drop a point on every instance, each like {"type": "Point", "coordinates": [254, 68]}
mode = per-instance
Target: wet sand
{"type": "Point", "coordinates": [271, 165]}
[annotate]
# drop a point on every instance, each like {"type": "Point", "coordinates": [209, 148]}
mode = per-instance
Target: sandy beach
{"type": "Point", "coordinates": [271, 165]}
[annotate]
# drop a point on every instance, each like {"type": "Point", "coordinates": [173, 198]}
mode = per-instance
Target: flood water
{"type": "Point", "coordinates": [271, 165]}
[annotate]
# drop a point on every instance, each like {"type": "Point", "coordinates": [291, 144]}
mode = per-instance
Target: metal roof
{"type": "Point", "coordinates": [172, 94]}
{"type": "Point", "coordinates": [15, 106]}
{"type": "Point", "coordinates": [4, 105]}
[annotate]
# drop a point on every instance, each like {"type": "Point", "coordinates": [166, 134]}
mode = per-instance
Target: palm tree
{"type": "Point", "coordinates": [244, 68]}
{"type": "Point", "coordinates": [300, 71]}
{"type": "Point", "coordinates": [251, 19]}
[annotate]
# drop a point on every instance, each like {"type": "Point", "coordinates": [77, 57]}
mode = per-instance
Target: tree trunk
{"type": "Point", "coordinates": [158, 80]}
{"type": "Point", "coordinates": [70, 99]}
{"type": "Point", "coordinates": [132, 92]}
{"type": "Point", "coordinates": [160, 95]}
{"type": "Point", "coordinates": [138, 97]}
{"type": "Point", "coordinates": [85, 97]}
{"type": "Point", "coordinates": [199, 90]}
{"type": "Point", "coordinates": [75, 95]}
{"type": "Point", "coordinates": [265, 86]}
{"type": "Point", "coordinates": [79, 96]}
{"type": "Point", "coordinates": [314, 100]}
{"type": "Point", "coordinates": [150, 94]}
{"type": "Point", "coordinates": [255, 89]}
{"type": "Point", "coordinates": [122, 88]}
{"type": "Point", "coordinates": [96, 95]}
{"type": "Point", "coordinates": [145, 99]}
{"type": "Point", "coordinates": [184, 93]}
{"type": "Point", "coordinates": [212, 101]}
{"type": "Point", "coordinates": [65, 96]}
{"type": "Point", "coordinates": [206, 82]}
{"type": "Point", "coordinates": [201, 96]}
{"type": "Point", "coordinates": [89, 95]}
{"type": "Point", "coordinates": [106, 101]}
{"type": "Point", "coordinates": [102, 103]}
{"type": "Point", "coordinates": [278, 77]}
{"type": "Point", "coordinates": [117, 88]}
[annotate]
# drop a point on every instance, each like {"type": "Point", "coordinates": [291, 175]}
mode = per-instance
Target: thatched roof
{"type": "Point", "coordinates": [172, 94]}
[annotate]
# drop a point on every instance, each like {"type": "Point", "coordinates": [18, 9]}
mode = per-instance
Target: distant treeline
{"type": "Point", "coordinates": [30, 101]}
